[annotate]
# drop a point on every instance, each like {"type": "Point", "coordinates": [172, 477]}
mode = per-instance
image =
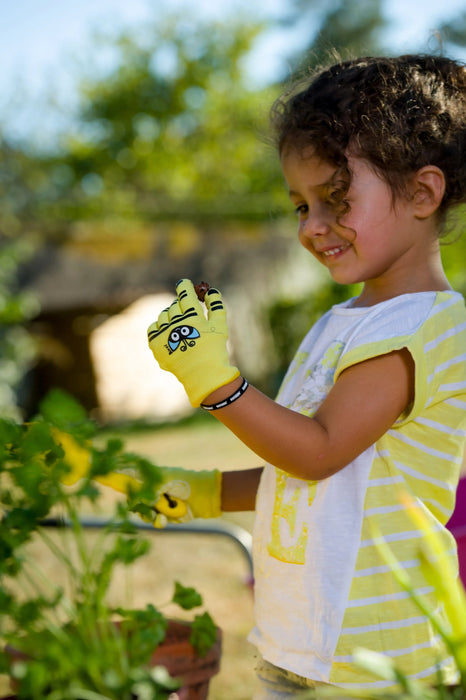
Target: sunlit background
{"type": "Point", "coordinates": [134, 152]}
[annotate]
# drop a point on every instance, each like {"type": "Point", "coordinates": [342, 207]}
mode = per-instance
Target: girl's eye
{"type": "Point", "coordinates": [301, 209]}
{"type": "Point", "coordinates": [334, 198]}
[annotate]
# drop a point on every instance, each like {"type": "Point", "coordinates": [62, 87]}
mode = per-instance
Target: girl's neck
{"type": "Point", "coordinates": [423, 273]}
{"type": "Point", "coordinates": [374, 294]}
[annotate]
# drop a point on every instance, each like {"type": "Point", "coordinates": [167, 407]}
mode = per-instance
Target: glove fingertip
{"type": "Point", "coordinates": [186, 295]}
{"type": "Point", "coordinates": [160, 521]}
{"type": "Point", "coordinates": [185, 285]}
{"type": "Point", "coordinates": [158, 325]}
{"type": "Point", "coordinates": [214, 301]}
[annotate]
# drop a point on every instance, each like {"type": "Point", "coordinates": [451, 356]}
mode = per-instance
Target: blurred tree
{"type": "Point", "coordinates": [453, 248]}
{"type": "Point", "coordinates": [172, 132]}
{"type": "Point", "coordinates": [23, 183]}
{"type": "Point", "coordinates": [453, 31]}
{"type": "Point", "coordinates": [348, 29]}
{"type": "Point", "coordinates": [17, 349]}
{"type": "Point", "coordinates": [452, 34]}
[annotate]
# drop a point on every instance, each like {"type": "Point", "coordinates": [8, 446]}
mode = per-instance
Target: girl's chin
{"type": "Point", "coordinates": [340, 277]}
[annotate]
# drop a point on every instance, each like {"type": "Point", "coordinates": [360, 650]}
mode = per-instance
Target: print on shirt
{"type": "Point", "coordinates": [318, 381]}
{"type": "Point", "coordinates": [289, 536]}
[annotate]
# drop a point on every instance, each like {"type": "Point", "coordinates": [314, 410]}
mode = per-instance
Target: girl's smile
{"type": "Point", "coordinates": [334, 251]}
{"type": "Point", "coordinates": [379, 240]}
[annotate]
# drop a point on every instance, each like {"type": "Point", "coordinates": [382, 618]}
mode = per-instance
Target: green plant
{"type": "Point", "coordinates": [68, 640]}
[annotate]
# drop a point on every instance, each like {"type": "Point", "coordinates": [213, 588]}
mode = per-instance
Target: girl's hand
{"type": "Point", "coordinates": [192, 346]}
{"type": "Point", "coordinates": [183, 494]}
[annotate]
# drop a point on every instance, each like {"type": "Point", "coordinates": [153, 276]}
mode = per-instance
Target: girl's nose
{"type": "Point", "coordinates": [316, 223]}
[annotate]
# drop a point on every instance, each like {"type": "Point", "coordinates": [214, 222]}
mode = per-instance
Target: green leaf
{"type": "Point", "coordinates": [378, 664]}
{"type": "Point", "coordinates": [60, 408]}
{"type": "Point", "coordinates": [143, 630]}
{"type": "Point", "coordinates": [64, 412]}
{"type": "Point", "coordinates": [186, 598]}
{"type": "Point", "coordinates": [144, 616]}
{"type": "Point", "coordinates": [144, 511]}
{"type": "Point", "coordinates": [37, 441]}
{"type": "Point", "coordinates": [203, 633]}
{"type": "Point", "coordinates": [128, 549]}
{"type": "Point", "coordinates": [9, 432]}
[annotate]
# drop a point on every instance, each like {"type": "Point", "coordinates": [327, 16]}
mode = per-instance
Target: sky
{"type": "Point", "coordinates": [39, 39]}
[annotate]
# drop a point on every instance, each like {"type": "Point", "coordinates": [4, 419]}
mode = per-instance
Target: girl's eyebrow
{"type": "Point", "coordinates": [320, 186]}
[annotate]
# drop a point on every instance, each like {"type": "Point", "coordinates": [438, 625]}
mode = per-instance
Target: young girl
{"type": "Point", "coordinates": [373, 153]}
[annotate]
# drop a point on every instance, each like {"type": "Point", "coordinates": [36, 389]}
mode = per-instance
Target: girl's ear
{"type": "Point", "coordinates": [428, 188]}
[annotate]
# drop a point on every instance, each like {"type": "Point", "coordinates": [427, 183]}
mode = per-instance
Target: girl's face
{"type": "Point", "coordinates": [378, 241]}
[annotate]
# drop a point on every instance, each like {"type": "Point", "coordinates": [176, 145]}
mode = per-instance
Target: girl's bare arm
{"type": "Point", "coordinates": [239, 489]}
{"type": "Point", "coordinates": [364, 403]}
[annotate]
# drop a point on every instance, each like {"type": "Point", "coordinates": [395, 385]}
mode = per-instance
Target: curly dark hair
{"type": "Point", "coordinates": [397, 113]}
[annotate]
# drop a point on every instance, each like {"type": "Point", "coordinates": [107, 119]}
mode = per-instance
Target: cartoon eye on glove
{"type": "Point", "coordinates": [182, 337]}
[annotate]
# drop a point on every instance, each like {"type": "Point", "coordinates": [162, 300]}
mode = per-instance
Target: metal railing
{"type": "Point", "coordinates": [237, 534]}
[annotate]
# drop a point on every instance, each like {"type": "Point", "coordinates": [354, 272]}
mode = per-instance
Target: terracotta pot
{"type": "Point", "coordinates": [181, 661]}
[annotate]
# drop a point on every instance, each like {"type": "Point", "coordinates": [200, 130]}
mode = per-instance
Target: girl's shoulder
{"type": "Point", "coordinates": [405, 312]}
{"type": "Point", "coordinates": [403, 321]}
{"type": "Point", "coordinates": [409, 320]}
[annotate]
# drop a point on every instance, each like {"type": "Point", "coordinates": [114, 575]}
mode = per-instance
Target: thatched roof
{"type": "Point", "coordinates": [81, 274]}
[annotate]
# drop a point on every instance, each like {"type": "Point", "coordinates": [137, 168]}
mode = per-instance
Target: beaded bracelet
{"type": "Point", "coordinates": [230, 399]}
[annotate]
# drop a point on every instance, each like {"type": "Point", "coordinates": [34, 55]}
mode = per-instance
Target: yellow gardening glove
{"type": "Point", "coordinates": [192, 346]}
{"type": "Point", "coordinates": [181, 496]}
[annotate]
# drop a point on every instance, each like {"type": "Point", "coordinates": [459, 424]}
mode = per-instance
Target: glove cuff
{"type": "Point", "coordinates": [216, 500]}
{"type": "Point", "coordinates": [227, 375]}
{"type": "Point", "coordinates": [203, 489]}
{"type": "Point", "coordinates": [206, 500]}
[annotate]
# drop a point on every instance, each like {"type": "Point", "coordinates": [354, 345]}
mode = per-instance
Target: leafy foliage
{"type": "Point", "coordinates": [68, 640]}
{"type": "Point", "coordinates": [453, 31]}
{"type": "Point", "coordinates": [171, 132]}
{"type": "Point", "coordinates": [203, 633]}
{"type": "Point", "coordinates": [340, 27]}
{"type": "Point", "coordinates": [17, 349]}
